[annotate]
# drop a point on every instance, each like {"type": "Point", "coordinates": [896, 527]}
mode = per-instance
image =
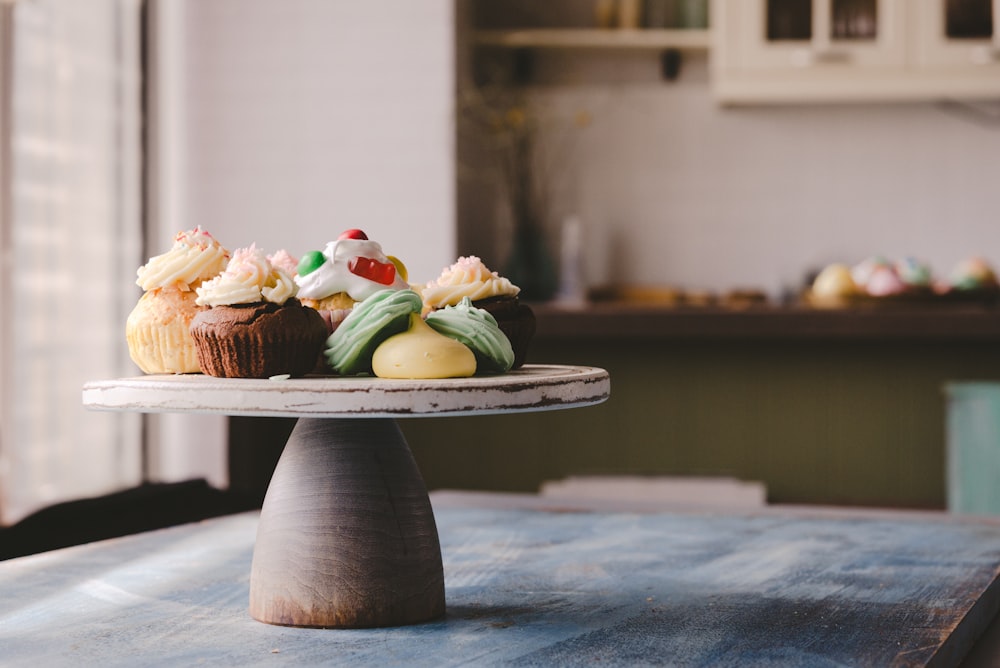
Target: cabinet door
{"type": "Point", "coordinates": [818, 33]}
{"type": "Point", "coordinates": [957, 32]}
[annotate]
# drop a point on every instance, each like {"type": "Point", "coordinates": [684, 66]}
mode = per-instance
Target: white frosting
{"type": "Point", "coordinates": [194, 257]}
{"type": "Point", "coordinates": [468, 277]}
{"type": "Point", "coordinates": [333, 276]}
{"type": "Point", "coordinates": [249, 277]}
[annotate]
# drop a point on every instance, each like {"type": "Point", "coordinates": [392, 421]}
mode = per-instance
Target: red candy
{"type": "Point", "coordinates": [353, 233]}
{"type": "Point", "coordinates": [373, 270]}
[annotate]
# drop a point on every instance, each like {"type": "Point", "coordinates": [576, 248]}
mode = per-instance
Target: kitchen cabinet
{"type": "Point", "coordinates": [854, 50]}
{"type": "Point", "coordinates": [958, 34]}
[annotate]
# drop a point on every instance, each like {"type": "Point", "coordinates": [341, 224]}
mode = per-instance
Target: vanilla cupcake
{"type": "Point", "coordinates": [253, 326]}
{"type": "Point", "coordinates": [158, 328]}
{"type": "Point", "coordinates": [347, 271]}
{"type": "Point", "coordinates": [487, 290]}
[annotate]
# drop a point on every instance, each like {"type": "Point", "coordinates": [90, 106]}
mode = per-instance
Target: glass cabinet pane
{"type": "Point", "coordinates": [968, 19]}
{"type": "Point", "coordinates": [854, 19]}
{"type": "Point", "coordinates": [789, 20]}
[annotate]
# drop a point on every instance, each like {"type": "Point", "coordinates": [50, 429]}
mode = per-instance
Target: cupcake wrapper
{"type": "Point", "coordinates": [516, 321]}
{"type": "Point", "coordinates": [278, 341]}
{"type": "Point", "coordinates": [157, 333]}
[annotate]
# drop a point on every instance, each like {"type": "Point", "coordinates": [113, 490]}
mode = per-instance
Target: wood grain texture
{"type": "Point", "coordinates": [347, 537]}
{"type": "Point", "coordinates": [535, 387]}
{"type": "Point", "coordinates": [530, 588]}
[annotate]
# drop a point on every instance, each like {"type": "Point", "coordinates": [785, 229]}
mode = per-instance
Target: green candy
{"type": "Point", "coordinates": [310, 262]}
{"type": "Point", "coordinates": [478, 330]}
{"type": "Point", "coordinates": [350, 348]}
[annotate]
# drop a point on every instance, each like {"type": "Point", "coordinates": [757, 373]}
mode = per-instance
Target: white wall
{"type": "Point", "coordinates": [300, 119]}
{"type": "Point", "coordinates": [676, 190]}
{"type": "Point", "coordinates": [285, 123]}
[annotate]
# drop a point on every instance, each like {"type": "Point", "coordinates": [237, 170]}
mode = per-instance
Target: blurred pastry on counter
{"type": "Point", "coordinates": [863, 271]}
{"type": "Point", "coordinates": [885, 282]}
{"type": "Point", "coordinates": [833, 287]}
{"type": "Point", "coordinates": [743, 299]}
{"type": "Point", "coordinates": [916, 274]}
{"type": "Point", "coordinates": [973, 274]}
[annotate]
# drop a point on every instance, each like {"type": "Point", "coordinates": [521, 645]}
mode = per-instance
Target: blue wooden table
{"type": "Point", "coordinates": [537, 583]}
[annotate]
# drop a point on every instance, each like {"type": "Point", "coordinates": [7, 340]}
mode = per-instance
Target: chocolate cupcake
{"type": "Point", "coordinates": [255, 327]}
{"type": "Point", "coordinates": [489, 291]}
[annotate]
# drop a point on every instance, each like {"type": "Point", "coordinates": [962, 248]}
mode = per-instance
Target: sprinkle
{"type": "Point", "coordinates": [281, 376]}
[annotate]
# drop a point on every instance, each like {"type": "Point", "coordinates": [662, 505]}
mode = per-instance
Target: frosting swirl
{"type": "Point", "coordinates": [478, 330]}
{"type": "Point", "coordinates": [195, 256]}
{"type": "Point", "coordinates": [468, 277]}
{"type": "Point", "coordinates": [334, 274]}
{"type": "Point", "coordinates": [248, 278]}
{"type": "Point", "coordinates": [350, 348]}
{"type": "Point", "coordinates": [283, 260]}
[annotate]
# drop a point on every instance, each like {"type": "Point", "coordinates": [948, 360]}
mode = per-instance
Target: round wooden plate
{"type": "Point", "coordinates": [533, 387]}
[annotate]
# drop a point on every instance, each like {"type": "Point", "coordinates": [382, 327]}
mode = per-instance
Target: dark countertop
{"type": "Point", "coordinates": [618, 320]}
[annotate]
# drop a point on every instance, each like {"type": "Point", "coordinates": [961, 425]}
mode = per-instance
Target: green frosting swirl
{"type": "Point", "coordinates": [478, 330]}
{"type": "Point", "coordinates": [350, 348]}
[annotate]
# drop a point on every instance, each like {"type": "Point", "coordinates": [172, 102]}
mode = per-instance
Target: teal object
{"type": "Point", "coordinates": [973, 448]}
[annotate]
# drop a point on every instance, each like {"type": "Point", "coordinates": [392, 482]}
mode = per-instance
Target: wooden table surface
{"type": "Point", "coordinates": [536, 584]}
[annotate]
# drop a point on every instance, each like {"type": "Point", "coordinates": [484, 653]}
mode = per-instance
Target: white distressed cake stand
{"type": "Point", "coordinates": [347, 537]}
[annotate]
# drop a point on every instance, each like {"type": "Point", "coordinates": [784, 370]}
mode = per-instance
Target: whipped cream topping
{"type": "Point", "coordinates": [195, 256]}
{"type": "Point", "coordinates": [334, 274]}
{"type": "Point", "coordinates": [468, 277]}
{"type": "Point", "coordinates": [248, 278]}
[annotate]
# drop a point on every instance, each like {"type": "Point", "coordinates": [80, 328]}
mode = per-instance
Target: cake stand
{"type": "Point", "coordinates": [347, 537]}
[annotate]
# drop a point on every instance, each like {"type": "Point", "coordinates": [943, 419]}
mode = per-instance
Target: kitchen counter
{"type": "Point", "coordinates": [910, 322]}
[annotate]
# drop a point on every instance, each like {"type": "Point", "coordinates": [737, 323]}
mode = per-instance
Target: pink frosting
{"type": "Point", "coordinates": [884, 281]}
{"type": "Point", "coordinates": [284, 261]}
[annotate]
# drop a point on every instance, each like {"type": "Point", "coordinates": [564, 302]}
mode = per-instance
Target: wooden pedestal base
{"type": "Point", "coordinates": [347, 537]}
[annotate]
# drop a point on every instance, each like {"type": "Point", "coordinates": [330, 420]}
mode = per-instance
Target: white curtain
{"type": "Point", "coordinates": [70, 209]}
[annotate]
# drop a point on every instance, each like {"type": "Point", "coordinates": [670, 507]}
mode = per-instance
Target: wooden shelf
{"type": "Point", "coordinates": [945, 323]}
{"type": "Point", "coordinates": [595, 38]}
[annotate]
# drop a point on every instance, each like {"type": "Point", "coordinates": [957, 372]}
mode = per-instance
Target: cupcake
{"type": "Point", "coordinates": [254, 327]}
{"type": "Point", "coordinates": [885, 282]}
{"type": "Point", "coordinates": [863, 271]}
{"type": "Point", "coordinates": [350, 348]}
{"type": "Point", "coordinates": [833, 287]}
{"type": "Point", "coordinates": [158, 328]}
{"type": "Point", "coordinates": [347, 271]}
{"type": "Point", "coordinates": [973, 274]}
{"type": "Point", "coordinates": [916, 274]}
{"type": "Point", "coordinates": [487, 290]}
{"type": "Point", "coordinates": [477, 330]}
